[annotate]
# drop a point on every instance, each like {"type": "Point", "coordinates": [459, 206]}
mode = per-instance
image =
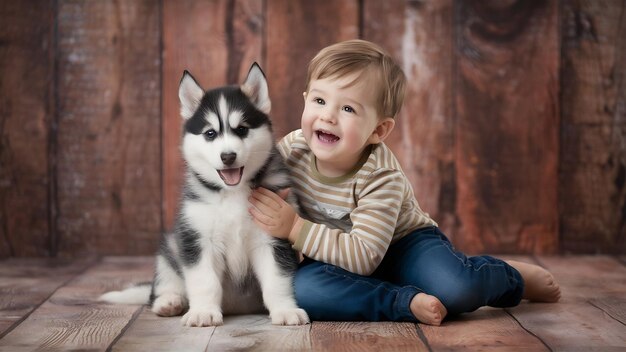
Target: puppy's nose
{"type": "Point", "coordinates": [228, 158]}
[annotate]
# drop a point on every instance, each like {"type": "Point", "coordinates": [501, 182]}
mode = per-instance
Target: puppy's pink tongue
{"type": "Point", "coordinates": [231, 177]}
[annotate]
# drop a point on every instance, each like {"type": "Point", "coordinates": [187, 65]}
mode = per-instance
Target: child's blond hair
{"type": "Point", "coordinates": [358, 55]}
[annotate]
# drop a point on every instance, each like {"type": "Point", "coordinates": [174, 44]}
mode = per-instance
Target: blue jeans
{"type": "Point", "coordinates": [423, 261]}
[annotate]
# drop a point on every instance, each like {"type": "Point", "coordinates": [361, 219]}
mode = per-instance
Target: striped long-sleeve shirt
{"type": "Point", "coordinates": [350, 221]}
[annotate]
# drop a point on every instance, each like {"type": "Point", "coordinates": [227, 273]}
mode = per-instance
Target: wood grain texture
{"type": "Point", "coordinates": [574, 324]}
{"type": "Point", "coordinates": [418, 35]}
{"type": "Point", "coordinates": [150, 332]}
{"type": "Point", "coordinates": [26, 112]}
{"type": "Point", "coordinates": [507, 126]}
{"type": "Point", "coordinates": [296, 31]}
{"type": "Point", "coordinates": [246, 332]}
{"type": "Point", "coordinates": [72, 319]}
{"type": "Point", "coordinates": [512, 132]}
{"type": "Point", "coordinates": [590, 317]}
{"type": "Point", "coordinates": [365, 336]}
{"type": "Point", "coordinates": [27, 283]}
{"type": "Point", "coordinates": [587, 276]}
{"type": "Point", "coordinates": [592, 174]}
{"type": "Point", "coordinates": [108, 129]}
{"type": "Point", "coordinates": [613, 306]}
{"type": "Point", "coordinates": [484, 329]}
{"type": "Point", "coordinates": [217, 41]}
{"type": "Point", "coordinates": [256, 333]}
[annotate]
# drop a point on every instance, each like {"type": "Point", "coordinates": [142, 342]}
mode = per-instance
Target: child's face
{"type": "Point", "coordinates": [338, 122]}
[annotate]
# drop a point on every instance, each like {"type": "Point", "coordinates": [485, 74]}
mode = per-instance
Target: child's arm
{"type": "Point", "coordinates": [360, 250]}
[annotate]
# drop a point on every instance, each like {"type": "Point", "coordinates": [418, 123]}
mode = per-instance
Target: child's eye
{"type": "Point", "coordinates": [348, 108]}
{"type": "Point", "coordinates": [319, 101]}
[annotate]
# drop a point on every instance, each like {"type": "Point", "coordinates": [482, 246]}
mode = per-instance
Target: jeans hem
{"type": "Point", "coordinates": [403, 303]}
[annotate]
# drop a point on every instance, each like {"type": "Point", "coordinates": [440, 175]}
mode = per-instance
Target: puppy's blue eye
{"type": "Point", "coordinates": [210, 134]}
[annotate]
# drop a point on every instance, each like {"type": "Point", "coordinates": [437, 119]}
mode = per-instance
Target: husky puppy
{"type": "Point", "coordinates": [217, 261]}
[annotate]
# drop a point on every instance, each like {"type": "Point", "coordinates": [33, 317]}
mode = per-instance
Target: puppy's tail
{"type": "Point", "coordinates": [139, 294]}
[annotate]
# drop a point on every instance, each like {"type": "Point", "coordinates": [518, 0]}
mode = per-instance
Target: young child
{"type": "Point", "coordinates": [370, 252]}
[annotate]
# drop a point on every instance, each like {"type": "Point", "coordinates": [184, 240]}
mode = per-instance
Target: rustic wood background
{"type": "Point", "coordinates": [513, 132]}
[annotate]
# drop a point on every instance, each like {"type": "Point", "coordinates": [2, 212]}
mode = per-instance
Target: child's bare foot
{"type": "Point", "coordinates": [540, 285]}
{"type": "Point", "coordinates": [428, 309]}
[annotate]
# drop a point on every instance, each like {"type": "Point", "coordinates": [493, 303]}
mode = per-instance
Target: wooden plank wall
{"type": "Point", "coordinates": [592, 167]}
{"type": "Point", "coordinates": [513, 130]}
{"type": "Point", "coordinates": [26, 111]}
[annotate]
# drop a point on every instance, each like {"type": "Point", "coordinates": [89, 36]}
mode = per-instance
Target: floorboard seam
{"type": "Point", "coordinates": [206, 349]}
{"type": "Point", "coordinates": [528, 331]}
{"type": "Point", "coordinates": [606, 312]}
{"type": "Point", "coordinates": [310, 324]}
{"type": "Point", "coordinates": [422, 337]}
{"type": "Point", "coordinates": [125, 328]}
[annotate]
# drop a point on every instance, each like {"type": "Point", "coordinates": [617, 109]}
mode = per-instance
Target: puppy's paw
{"type": "Point", "coordinates": [203, 317]}
{"type": "Point", "coordinates": [295, 316]}
{"type": "Point", "coordinates": [169, 305]}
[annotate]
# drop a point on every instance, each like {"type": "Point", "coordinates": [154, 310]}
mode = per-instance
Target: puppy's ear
{"type": "Point", "coordinates": [190, 94]}
{"type": "Point", "coordinates": [255, 88]}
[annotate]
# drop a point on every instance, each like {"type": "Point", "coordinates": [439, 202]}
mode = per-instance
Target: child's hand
{"type": "Point", "coordinates": [272, 213]}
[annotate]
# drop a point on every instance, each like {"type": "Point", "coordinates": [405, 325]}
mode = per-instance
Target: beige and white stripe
{"type": "Point", "coordinates": [350, 221]}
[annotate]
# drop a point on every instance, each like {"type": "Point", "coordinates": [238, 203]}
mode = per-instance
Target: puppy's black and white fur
{"type": "Point", "coordinates": [217, 261]}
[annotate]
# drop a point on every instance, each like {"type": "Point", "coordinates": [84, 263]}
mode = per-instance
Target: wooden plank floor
{"type": "Point", "coordinates": [51, 305]}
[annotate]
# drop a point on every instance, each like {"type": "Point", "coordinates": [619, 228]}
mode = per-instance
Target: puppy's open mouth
{"type": "Point", "coordinates": [231, 177]}
{"type": "Point", "coordinates": [326, 137]}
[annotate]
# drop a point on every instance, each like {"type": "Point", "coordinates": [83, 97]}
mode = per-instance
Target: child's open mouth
{"type": "Point", "coordinates": [326, 137]}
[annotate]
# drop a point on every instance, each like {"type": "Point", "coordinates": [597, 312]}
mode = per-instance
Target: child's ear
{"type": "Point", "coordinates": [304, 95]}
{"type": "Point", "coordinates": [382, 130]}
